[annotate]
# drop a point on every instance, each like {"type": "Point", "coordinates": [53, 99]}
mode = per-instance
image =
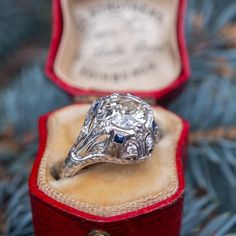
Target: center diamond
{"type": "Point", "coordinates": [125, 113]}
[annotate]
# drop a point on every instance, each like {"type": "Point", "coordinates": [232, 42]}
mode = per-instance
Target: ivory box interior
{"type": "Point", "coordinates": [121, 46]}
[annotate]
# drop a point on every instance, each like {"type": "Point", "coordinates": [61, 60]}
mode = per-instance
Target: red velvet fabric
{"type": "Point", "coordinates": [51, 217]}
{"type": "Point", "coordinates": [52, 221]}
{"type": "Point", "coordinates": [163, 96]}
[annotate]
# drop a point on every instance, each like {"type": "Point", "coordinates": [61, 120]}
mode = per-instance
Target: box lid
{"type": "Point", "coordinates": [137, 47]}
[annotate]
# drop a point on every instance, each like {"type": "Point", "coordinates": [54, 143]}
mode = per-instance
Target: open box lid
{"type": "Point", "coordinates": [100, 47]}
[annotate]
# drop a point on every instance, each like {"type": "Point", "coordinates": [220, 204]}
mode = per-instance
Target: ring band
{"type": "Point", "coordinates": [118, 129]}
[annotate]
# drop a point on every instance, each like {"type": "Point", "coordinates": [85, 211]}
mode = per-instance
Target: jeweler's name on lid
{"type": "Point", "coordinates": [117, 24]}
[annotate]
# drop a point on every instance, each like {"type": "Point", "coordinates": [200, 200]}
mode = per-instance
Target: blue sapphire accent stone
{"type": "Point", "coordinates": [154, 125]}
{"type": "Point", "coordinates": [96, 106]}
{"type": "Point", "coordinates": [119, 138]}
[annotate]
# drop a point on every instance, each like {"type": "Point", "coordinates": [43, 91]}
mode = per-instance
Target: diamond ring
{"type": "Point", "coordinates": [119, 129]}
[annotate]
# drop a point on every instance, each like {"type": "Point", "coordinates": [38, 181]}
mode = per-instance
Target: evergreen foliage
{"type": "Point", "coordinates": [21, 22]}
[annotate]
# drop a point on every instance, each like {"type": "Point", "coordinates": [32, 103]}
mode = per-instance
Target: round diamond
{"type": "Point", "coordinates": [125, 113]}
{"type": "Point", "coordinates": [132, 149]}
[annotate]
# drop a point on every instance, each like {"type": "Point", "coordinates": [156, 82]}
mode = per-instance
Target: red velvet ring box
{"type": "Point", "coordinates": [98, 47]}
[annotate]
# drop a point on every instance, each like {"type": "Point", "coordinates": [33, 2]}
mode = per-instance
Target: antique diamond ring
{"type": "Point", "coordinates": [119, 129]}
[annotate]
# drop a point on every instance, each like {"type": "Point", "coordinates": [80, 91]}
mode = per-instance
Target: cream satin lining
{"type": "Point", "coordinates": [84, 57]}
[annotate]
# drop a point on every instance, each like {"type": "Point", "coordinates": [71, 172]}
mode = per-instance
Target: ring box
{"type": "Point", "coordinates": [99, 47]}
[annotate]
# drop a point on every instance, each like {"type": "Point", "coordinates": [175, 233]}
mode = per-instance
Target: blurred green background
{"type": "Point", "coordinates": [208, 102]}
